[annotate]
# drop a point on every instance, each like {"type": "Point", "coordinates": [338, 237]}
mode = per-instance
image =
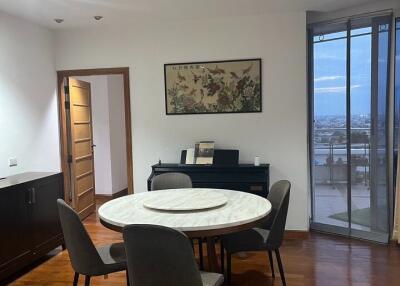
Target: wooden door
{"type": "Point", "coordinates": [82, 157]}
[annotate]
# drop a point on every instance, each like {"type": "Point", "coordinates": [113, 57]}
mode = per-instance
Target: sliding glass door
{"type": "Point", "coordinates": [396, 137]}
{"type": "Point", "coordinates": [330, 136]}
{"type": "Point", "coordinates": [349, 89]}
{"type": "Point", "coordinates": [396, 124]}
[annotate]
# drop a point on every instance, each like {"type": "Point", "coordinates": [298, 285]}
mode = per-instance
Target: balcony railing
{"type": "Point", "coordinates": [330, 156]}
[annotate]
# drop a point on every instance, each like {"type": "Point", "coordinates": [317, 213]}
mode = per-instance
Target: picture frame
{"type": "Point", "coordinates": [228, 86]}
{"type": "Point", "coordinates": [204, 152]}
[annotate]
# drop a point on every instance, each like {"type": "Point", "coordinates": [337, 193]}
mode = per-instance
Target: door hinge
{"type": "Point", "coordinates": [66, 93]}
{"type": "Point", "coordinates": [69, 158]}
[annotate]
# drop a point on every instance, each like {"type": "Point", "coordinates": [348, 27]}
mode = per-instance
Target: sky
{"type": "Point", "coordinates": [330, 75]}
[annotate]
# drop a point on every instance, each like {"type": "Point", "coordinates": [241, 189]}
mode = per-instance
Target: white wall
{"type": "Point", "coordinates": [107, 99]}
{"type": "Point", "coordinates": [117, 132]}
{"type": "Point", "coordinates": [278, 134]}
{"type": "Point", "coordinates": [101, 132]}
{"type": "Point", "coordinates": [28, 102]}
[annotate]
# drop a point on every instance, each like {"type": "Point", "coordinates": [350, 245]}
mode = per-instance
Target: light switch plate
{"type": "Point", "coordinates": [12, 162]}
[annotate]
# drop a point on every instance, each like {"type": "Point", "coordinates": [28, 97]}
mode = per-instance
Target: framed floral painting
{"type": "Point", "coordinates": [213, 87]}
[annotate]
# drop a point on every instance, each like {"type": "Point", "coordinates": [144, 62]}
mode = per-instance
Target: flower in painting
{"type": "Point", "coordinates": [248, 92]}
{"type": "Point", "coordinates": [212, 85]}
{"type": "Point", "coordinates": [242, 83]}
{"type": "Point", "coordinates": [231, 86]}
{"type": "Point", "coordinates": [188, 102]}
{"type": "Point", "coordinates": [224, 100]}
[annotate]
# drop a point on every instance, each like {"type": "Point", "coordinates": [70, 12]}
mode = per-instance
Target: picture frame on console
{"type": "Point", "coordinates": [232, 86]}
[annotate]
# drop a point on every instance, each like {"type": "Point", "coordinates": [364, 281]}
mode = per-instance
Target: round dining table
{"type": "Point", "coordinates": [197, 212]}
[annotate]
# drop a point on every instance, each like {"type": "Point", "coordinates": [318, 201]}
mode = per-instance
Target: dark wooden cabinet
{"type": "Point", "coordinates": [29, 220]}
{"type": "Point", "coordinates": [241, 177]}
{"type": "Point", "coordinates": [14, 245]}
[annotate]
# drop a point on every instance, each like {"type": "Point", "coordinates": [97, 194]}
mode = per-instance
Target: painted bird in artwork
{"type": "Point", "coordinates": [234, 75]}
{"type": "Point", "coordinates": [184, 87]}
{"type": "Point", "coordinates": [196, 77]}
{"type": "Point", "coordinates": [181, 77]}
{"type": "Point", "coordinates": [245, 71]}
{"type": "Point", "coordinates": [193, 91]}
{"type": "Point", "coordinates": [213, 88]}
{"type": "Point", "coordinates": [217, 70]}
{"type": "Point", "coordinates": [212, 71]}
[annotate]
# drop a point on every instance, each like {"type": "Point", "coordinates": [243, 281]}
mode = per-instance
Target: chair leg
{"type": "Point", "coordinates": [87, 280]}
{"type": "Point", "coordinates": [228, 267]}
{"type": "Point", "coordinates": [271, 263]}
{"type": "Point", "coordinates": [127, 277]}
{"type": "Point", "coordinates": [76, 279]}
{"type": "Point", "coordinates": [222, 257]}
{"type": "Point", "coordinates": [191, 242]}
{"type": "Point", "coordinates": [281, 272]}
{"type": "Point", "coordinates": [200, 242]}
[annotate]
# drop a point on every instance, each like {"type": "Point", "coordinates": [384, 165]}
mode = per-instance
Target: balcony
{"type": "Point", "coordinates": [330, 169]}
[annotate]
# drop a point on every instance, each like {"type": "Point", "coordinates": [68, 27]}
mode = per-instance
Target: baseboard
{"type": "Point", "coordinates": [118, 194]}
{"type": "Point", "coordinates": [121, 193]}
{"type": "Point", "coordinates": [296, 234]}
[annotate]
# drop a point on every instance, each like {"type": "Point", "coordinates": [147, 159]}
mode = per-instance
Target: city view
{"type": "Point", "coordinates": [330, 139]}
{"type": "Point", "coordinates": [330, 170]}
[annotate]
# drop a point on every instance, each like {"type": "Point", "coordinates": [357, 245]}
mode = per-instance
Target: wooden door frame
{"type": "Point", "coordinates": [124, 71]}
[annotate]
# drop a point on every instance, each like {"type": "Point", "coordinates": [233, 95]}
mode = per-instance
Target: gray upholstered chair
{"type": "Point", "coordinates": [176, 180]}
{"type": "Point", "coordinates": [171, 181]}
{"type": "Point", "coordinates": [267, 237]}
{"type": "Point", "coordinates": [86, 259]}
{"type": "Point", "coordinates": [158, 255]}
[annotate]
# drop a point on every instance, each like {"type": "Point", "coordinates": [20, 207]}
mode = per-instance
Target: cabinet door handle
{"type": "Point", "coordinates": [33, 196]}
{"type": "Point", "coordinates": [29, 196]}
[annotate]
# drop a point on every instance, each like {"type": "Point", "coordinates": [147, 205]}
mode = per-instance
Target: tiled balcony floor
{"type": "Point", "coordinates": [332, 199]}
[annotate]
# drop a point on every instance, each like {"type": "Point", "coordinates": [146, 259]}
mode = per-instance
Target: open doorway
{"type": "Point", "coordinates": [95, 130]}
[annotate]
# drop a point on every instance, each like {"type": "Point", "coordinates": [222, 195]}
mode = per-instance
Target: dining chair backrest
{"type": "Point", "coordinates": [83, 254]}
{"type": "Point", "coordinates": [279, 198]}
{"type": "Point", "coordinates": [171, 180]}
{"type": "Point", "coordinates": [157, 255]}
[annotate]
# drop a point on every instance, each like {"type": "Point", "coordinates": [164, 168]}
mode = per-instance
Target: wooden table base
{"type": "Point", "coordinates": [212, 256]}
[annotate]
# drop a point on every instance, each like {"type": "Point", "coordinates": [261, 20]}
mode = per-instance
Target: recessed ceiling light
{"type": "Point", "coordinates": [58, 20]}
{"type": "Point", "coordinates": [98, 18]}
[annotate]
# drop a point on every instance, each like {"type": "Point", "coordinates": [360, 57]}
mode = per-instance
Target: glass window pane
{"type": "Point", "coordinates": [379, 194]}
{"type": "Point", "coordinates": [330, 154]}
{"type": "Point", "coordinates": [361, 31]}
{"type": "Point", "coordinates": [330, 36]}
{"type": "Point", "coordinates": [360, 104]}
{"type": "Point", "coordinates": [397, 92]}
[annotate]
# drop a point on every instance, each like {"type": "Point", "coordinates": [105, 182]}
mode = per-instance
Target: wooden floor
{"type": "Point", "coordinates": [319, 260]}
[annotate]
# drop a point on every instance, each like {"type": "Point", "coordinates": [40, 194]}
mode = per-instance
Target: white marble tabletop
{"type": "Point", "coordinates": [185, 200]}
{"type": "Point", "coordinates": [241, 208]}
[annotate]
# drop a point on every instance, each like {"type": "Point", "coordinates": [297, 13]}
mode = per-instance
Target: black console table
{"type": "Point", "coordinates": [241, 177]}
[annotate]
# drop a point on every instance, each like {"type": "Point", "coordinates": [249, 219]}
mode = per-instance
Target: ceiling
{"type": "Point", "coordinates": [79, 13]}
